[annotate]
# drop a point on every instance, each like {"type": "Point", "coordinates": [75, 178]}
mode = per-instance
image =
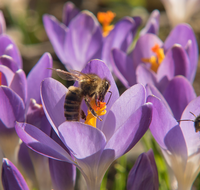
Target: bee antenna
{"type": "Point", "coordinates": [193, 114]}
{"type": "Point", "coordinates": [109, 97]}
{"type": "Point", "coordinates": [185, 120]}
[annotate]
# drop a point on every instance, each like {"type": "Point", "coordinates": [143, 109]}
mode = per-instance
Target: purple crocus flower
{"type": "Point", "coordinates": [179, 143]}
{"type": "Point", "coordinates": [75, 44]}
{"type": "Point", "coordinates": [144, 174]}
{"type": "Point", "coordinates": [176, 96]}
{"type": "Point", "coordinates": [12, 179]}
{"type": "Point", "coordinates": [178, 55]}
{"type": "Point", "coordinates": [93, 149]}
{"type": "Point", "coordinates": [18, 90]}
{"type": "Point", "coordinates": [20, 99]}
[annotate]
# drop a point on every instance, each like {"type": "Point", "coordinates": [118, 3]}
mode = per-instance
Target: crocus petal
{"type": "Point", "coordinates": [38, 141]}
{"type": "Point", "coordinates": [127, 135]}
{"type": "Point", "coordinates": [11, 177]}
{"type": "Point", "coordinates": [178, 94]}
{"type": "Point", "coordinates": [9, 48]}
{"type": "Point", "coordinates": [123, 108]}
{"type": "Point", "coordinates": [8, 74]}
{"type": "Point", "coordinates": [152, 90]}
{"type": "Point", "coordinates": [3, 79]}
{"type": "Point", "coordinates": [183, 34]}
{"type": "Point", "coordinates": [75, 136]}
{"type": "Point", "coordinates": [192, 138]}
{"type": "Point", "coordinates": [69, 12]}
{"type": "Point", "coordinates": [152, 25]}
{"type": "Point", "coordinates": [83, 42]}
{"type": "Point", "coordinates": [87, 151]}
{"type": "Point", "coordinates": [9, 62]}
{"type": "Point", "coordinates": [38, 73]}
{"type": "Point", "coordinates": [176, 62]}
{"type": "Point", "coordinates": [35, 116]}
{"type": "Point", "coordinates": [144, 174]}
{"type": "Point", "coordinates": [123, 68]}
{"type": "Point", "coordinates": [2, 23]}
{"type": "Point", "coordinates": [56, 32]}
{"type": "Point", "coordinates": [143, 47]}
{"type": "Point", "coordinates": [120, 37]}
{"type": "Point", "coordinates": [62, 174]}
{"type": "Point", "coordinates": [53, 97]}
{"type": "Point", "coordinates": [145, 76]}
{"type": "Point", "coordinates": [25, 162]}
{"type": "Point", "coordinates": [167, 125]}
{"type": "Point", "coordinates": [131, 131]}
{"type": "Point", "coordinates": [19, 84]}
{"type": "Point", "coordinates": [12, 107]}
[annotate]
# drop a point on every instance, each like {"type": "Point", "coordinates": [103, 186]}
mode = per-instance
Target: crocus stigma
{"type": "Point", "coordinates": [105, 18]}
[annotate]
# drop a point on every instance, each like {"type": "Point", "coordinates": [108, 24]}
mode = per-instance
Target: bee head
{"type": "Point", "coordinates": [104, 89]}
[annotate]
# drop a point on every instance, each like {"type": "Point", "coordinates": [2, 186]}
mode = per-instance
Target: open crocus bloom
{"type": "Point", "coordinates": [183, 94]}
{"type": "Point", "coordinates": [155, 62]}
{"type": "Point", "coordinates": [75, 44]}
{"type": "Point", "coordinates": [92, 149]}
{"type": "Point", "coordinates": [20, 101]}
{"type": "Point", "coordinates": [179, 142]}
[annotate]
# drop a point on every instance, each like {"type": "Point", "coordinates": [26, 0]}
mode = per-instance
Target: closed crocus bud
{"type": "Point", "coordinates": [144, 174]}
{"type": "Point", "coordinates": [12, 179]}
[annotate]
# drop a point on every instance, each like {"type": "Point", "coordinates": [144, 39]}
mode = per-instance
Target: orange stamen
{"type": "Point", "coordinates": [100, 110]}
{"type": "Point", "coordinates": [157, 59]}
{"type": "Point", "coordinates": [105, 18]}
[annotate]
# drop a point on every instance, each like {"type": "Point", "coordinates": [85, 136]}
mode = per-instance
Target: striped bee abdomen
{"type": "Point", "coordinates": [72, 104]}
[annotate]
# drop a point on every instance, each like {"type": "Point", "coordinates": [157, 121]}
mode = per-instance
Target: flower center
{"type": "Point", "coordinates": [155, 60]}
{"type": "Point", "coordinates": [105, 18]}
{"type": "Point", "coordinates": [100, 110]}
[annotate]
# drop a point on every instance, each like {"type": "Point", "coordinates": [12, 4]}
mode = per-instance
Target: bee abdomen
{"type": "Point", "coordinates": [72, 104]}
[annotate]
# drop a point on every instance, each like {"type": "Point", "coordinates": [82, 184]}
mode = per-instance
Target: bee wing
{"type": "Point", "coordinates": [66, 75]}
{"type": "Point", "coordinates": [82, 75]}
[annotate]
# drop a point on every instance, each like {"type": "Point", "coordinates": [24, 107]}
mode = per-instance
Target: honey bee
{"type": "Point", "coordinates": [196, 122]}
{"type": "Point", "coordinates": [91, 86]}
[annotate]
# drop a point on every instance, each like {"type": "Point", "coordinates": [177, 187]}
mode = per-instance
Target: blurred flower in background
{"type": "Point", "coordinates": [179, 11]}
{"type": "Point", "coordinates": [144, 174]}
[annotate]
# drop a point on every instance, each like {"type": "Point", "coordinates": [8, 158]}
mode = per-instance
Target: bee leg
{"type": "Point", "coordinates": [91, 109]}
{"type": "Point", "coordinates": [83, 116]}
{"type": "Point", "coordinates": [97, 102]}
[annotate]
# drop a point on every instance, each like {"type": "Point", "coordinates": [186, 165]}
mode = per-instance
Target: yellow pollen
{"type": "Point", "coordinates": [105, 18]}
{"type": "Point", "coordinates": [100, 110]}
{"type": "Point", "coordinates": [157, 59]}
